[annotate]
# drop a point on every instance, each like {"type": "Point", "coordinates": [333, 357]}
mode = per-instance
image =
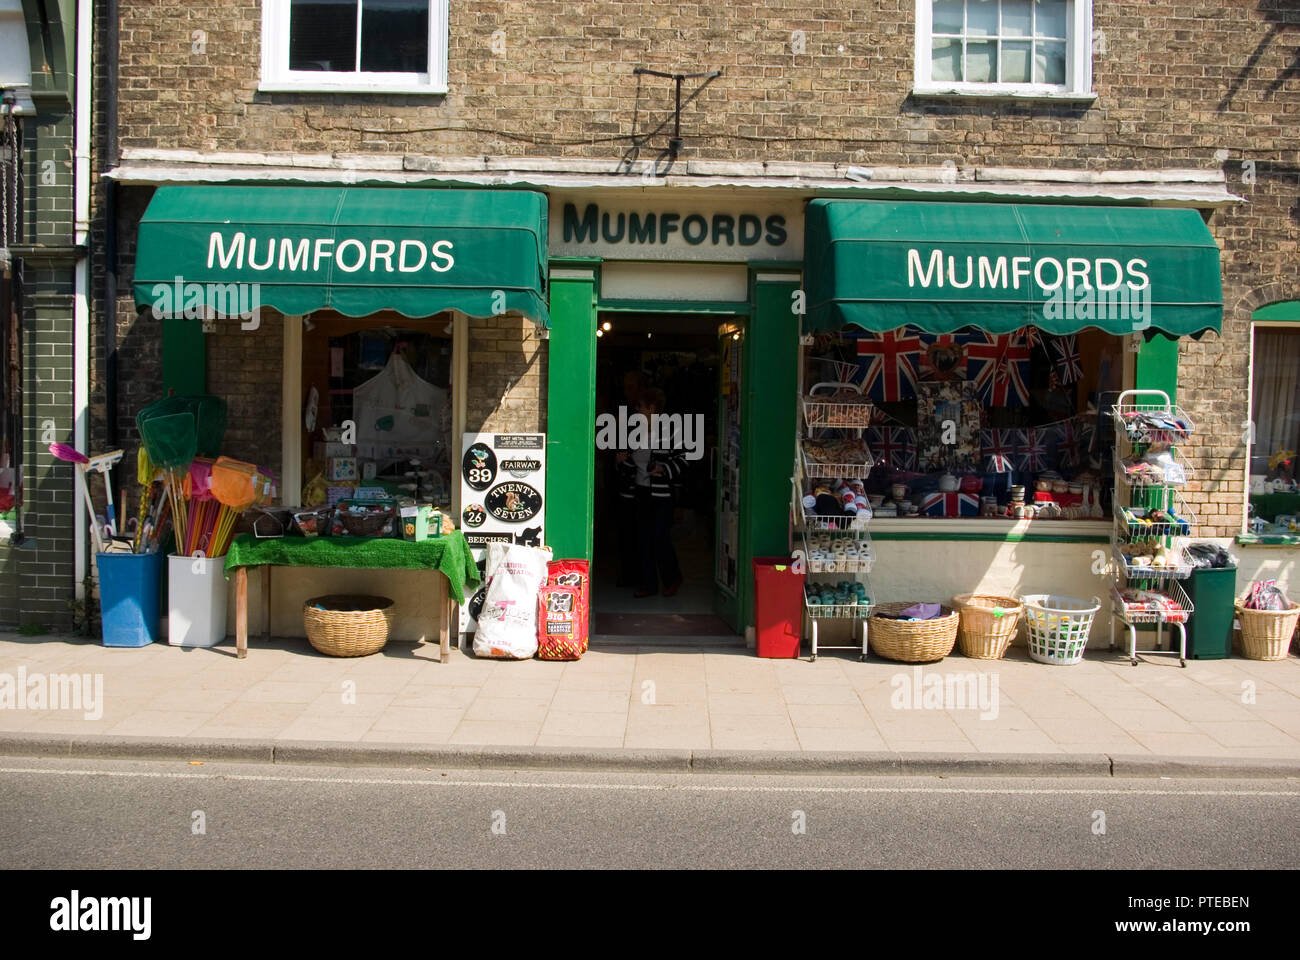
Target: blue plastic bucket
{"type": "Point", "coordinates": [129, 585]}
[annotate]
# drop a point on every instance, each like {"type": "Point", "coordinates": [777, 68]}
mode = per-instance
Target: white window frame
{"type": "Point", "coordinates": [1078, 63]}
{"type": "Point", "coordinates": [277, 77]}
{"type": "Point", "coordinates": [1253, 442]}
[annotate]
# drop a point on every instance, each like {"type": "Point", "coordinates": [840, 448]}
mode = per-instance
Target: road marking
{"type": "Point", "coordinates": [698, 788]}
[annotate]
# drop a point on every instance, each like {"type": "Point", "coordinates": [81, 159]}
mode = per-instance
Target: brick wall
{"type": "Point", "coordinates": [506, 387]}
{"type": "Point", "coordinates": [1179, 85]}
{"type": "Point", "coordinates": [36, 584]}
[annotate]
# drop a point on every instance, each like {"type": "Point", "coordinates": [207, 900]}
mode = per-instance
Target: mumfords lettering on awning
{"type": "Point", "coordinates": [288, 254]}
{"type": "Point", "coordinates": [1001, 273]}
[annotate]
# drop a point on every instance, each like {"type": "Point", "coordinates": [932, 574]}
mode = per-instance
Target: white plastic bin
{"type": "Point", "coordinates": [196, 601]}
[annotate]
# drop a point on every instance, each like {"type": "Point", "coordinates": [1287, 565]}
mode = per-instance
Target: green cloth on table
{"type": "Point", "coordinates": [449, 554]}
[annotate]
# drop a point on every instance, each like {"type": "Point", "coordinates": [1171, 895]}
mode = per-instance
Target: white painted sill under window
{"type": "Point", "coordinates": [281, 86]}
{"type": "Point", "coordinates": [999, 92]}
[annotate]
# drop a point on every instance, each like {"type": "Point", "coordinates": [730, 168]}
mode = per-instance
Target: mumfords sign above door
{"type": "Point", "coordinates": [725, 230]}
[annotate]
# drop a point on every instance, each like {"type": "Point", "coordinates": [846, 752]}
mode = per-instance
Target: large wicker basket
{"type": "Point", "coordinates": [988, 624]}
{"type": "Point", "coordinates": [1266, 634]}
{"type": "Point", "coordinates": [912, 641]}
{"type": "Point", "coordinates": [343, 625]}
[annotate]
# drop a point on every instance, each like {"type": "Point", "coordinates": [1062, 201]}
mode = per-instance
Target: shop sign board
{"type": "Point", "coordinates": [502, 492]}
{"type": "Point", "coordinates": [731, 230]}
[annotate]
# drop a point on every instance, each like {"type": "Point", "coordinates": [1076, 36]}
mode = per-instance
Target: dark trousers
{"type": "Point", "coordinates": [629, 558]}
{"type": "Point", "coordinates": [654, 541]}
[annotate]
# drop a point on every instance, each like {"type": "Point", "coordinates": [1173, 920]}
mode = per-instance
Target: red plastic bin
{"type": "Point", "coordinates": [778, 607]}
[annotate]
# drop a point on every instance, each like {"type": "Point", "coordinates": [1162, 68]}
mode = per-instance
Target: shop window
{"type": "Point", "coordinates": [961, 423]}
{"type": "Point", "coordinates": [1275, 423]}
{"type": "Point", "coordinates": [379, 46]}
{"type": "Point", "coordinates": [1004, 47]}
{"type": "Point", "coordinates": [390, 380]}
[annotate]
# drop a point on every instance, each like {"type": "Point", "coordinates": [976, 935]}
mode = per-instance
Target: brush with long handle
{"type": "Point", "coordinates": [61, 451]}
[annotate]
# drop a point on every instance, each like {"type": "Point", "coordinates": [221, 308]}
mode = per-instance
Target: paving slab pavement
{"type": "Point", "coordinates": [690, 700]}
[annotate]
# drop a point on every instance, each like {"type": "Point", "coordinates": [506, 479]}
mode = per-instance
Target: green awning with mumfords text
{"type": "Point", "coordinates": [356, 250]}
{"type": "Point", "coordinates": [881, 265]}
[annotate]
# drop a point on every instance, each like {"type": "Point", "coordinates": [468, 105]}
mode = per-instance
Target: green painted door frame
{"type": "Point", "coordinates": [769, 384]}
{"type": "Point", "coordinates": [768, 424]}
{"type": "Point", "coordinates": [571, 408]}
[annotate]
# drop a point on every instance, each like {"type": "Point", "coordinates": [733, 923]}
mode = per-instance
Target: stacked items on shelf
{"type": "Point", "coordinates": [830, 507]}
{"type": "Point", "coordinates": [1149, 560]}
{"type": "Point", "coordinates": [836, 552]}
{"type": "Point", "coordinates": [845, 599]}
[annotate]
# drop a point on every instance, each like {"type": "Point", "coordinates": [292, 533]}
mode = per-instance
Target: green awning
{"type": "Point", "coordinates": [351, 249]}
{"type": "Point", "coordinates": [998, 267]}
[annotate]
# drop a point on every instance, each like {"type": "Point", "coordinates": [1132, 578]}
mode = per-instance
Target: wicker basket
{"type": "Point", "coordinates": [912, 641]}
{"type": "Point", "coordinates": [1266, 634]}
{"type": "Point", "coordinates": [988, 624]}
{"type": "Point", "coordinates": [349, 626]}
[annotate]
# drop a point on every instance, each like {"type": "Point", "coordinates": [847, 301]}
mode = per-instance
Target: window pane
{"type": "Point", "coordinates": [1049, 19]}
{"type": "Point", "coordinates": [945, 60]}
{"type": "Point", "coordinates": [1016, 61]}
{"type": "Point", "coordinates": [981, 61]}
{"type": "Point", "coordinates": [1017, 18]}
{"type": "Point", "coordinates": [323, 35]}
{"type": "Point", "coordinates": [1049, 65]}
{"type": "Point", "coordinates": [982, 18]}
{"type": "Point", "coordinates": [395, 36]}
{"type": "Point", "coordinates": [947, 16]}
{"type": "Point", "coordinates": [1276, 403]}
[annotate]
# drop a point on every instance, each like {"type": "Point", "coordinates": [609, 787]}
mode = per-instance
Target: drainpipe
{"type": "Point", "coordinates": [110, 219]}
{"type": "Point", "coordinates": [81, 287]}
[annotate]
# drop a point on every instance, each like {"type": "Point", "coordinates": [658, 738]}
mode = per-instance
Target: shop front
{"type": "Point", "coordinates": [334, 324]}
{"type": "Point", "coordinates": [958, 368]}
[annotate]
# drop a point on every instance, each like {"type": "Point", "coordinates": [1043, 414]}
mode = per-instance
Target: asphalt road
{"type": "Point", "coordinates": [79, 814]}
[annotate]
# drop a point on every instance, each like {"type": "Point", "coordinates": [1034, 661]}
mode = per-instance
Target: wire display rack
{"type": "Point", "coordinates": [834, 545]}
{"type": "Point", "coordinates": [1151, 422]}
{"type": "Point", "coordinates": [1135, 525]}
{"type": "Point", "coordinates": [835, 466]}
{"type": "Point", "coordinates": [836, 404]}
{"type": "Point", "coordinates": [1134, 571]}
{"type": "Point", "coordinates": [1146, 419]}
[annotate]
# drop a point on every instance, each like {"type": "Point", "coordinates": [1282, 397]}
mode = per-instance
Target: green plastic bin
{"type": "Point", "coordinates": [1213, 592]}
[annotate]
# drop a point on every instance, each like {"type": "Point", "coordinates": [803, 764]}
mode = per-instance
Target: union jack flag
{"type": "Point", "coordinates": [998, 365]}
{"type": "Point", "coordinates": [1034, 450]}
{"type": "Point", "coordinates": [999, 448]}
{"type": "Point", "coordinates": [888, 363]}
{"type": "Point", "coordinates": [1068, 443]}
{"type": "Point", "coordinates": [893, 446]}
{"type": "Point", "coordinates": [1065, 353]}
{"type": "Point", "coordinates": [950, 505]}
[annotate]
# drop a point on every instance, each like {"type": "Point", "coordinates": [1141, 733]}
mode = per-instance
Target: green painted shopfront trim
{"type": "Point", "coordinates": [571, 408]}
{"type": "Point", "coordinates": [936, 536]}
{"type": "Point", "coordinates": [1287, 311]}
{"type": "Point", "coordinates": [721, 308]}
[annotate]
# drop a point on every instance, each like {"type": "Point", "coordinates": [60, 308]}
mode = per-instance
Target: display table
{"type": "Point", "coordinates": [1269, 505]}
{"type": "Point", "coordinates": [449, 556]}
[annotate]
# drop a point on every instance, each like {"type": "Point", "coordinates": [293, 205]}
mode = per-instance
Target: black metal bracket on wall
{"type": "Point", "coordinates": [675, 142]}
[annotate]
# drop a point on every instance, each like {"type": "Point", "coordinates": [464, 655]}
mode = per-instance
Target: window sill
{"type": "Point", "coordinates": [998, 531]}
{"type": "Point", "coordinates": [1269, 539]}
{"type": "Point", "coordinates": [427, 90]}
{"type": "Point", "coordinates": [1002, 93]}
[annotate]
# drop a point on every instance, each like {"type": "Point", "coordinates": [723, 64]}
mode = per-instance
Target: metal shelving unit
{"type": "Point", "coordinates": [832, 547]}
{"type": "Point", "coordinates": [1152, 524]}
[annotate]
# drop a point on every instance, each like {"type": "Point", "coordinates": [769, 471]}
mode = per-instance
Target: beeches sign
{"type": "Point", "coordinates": [675, 230]}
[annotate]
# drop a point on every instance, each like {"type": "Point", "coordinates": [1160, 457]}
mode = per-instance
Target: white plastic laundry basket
{"type": "Point", "coordinates": [196, 601]}
{"type": "Point", "coordinates": [1058, 626]}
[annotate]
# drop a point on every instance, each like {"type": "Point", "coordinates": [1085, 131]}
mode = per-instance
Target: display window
{"type": "Point", "coordinates": [378, 407]}
{"type": "Point", "coordinates": [966, 424]}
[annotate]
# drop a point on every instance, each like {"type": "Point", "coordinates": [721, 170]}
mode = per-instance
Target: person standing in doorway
{"type": "Point", "coordinates": [625, 507]}
{"type": "Point", "coordinates": [651, 472]}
